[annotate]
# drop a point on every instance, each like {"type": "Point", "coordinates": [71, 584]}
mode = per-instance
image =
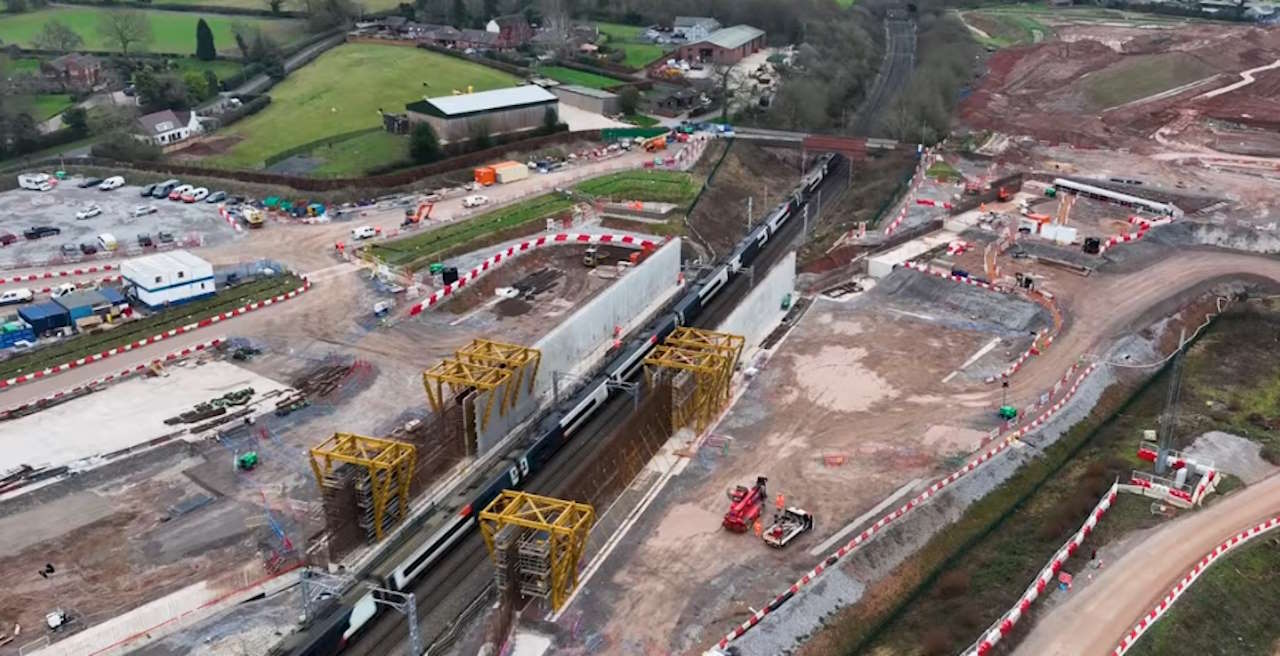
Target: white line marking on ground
{"type": "Point", "coordinates": [825, 548]}
{"type": "Point", "coordinates": [911, 314]}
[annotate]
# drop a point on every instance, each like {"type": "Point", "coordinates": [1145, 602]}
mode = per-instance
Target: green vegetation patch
{"type": "Point", "coordinates": [1234, 603]}
{"type": "Point", "coordinates": [172, 31]}
{"type": "Point", "coordinates": [1007, 29]}
{"type": "Point", "coordinates": [581, 78]}
{"type": "Point", "coordinates": [342, 91]}
{"type": "Point", "coordinates": [223, 68]}
{"type": "Point", "coordinates": [48, 105]}
{"type": "Point", "coordinates": [420, 250]}
{"type": "Point", "coordinates": [640, 120]}
{"type": "Point", "coordinates": [639, 53]}
{"type": "Point", "coordinates": [940, 170]}
{"type": "Point", "coordinates": [657, 186]}
{"type": "Point", "coordinates": [83, 345]}
{"type": "Point", "coordinates": [1139, 76]}
{"type": "Point", "coordinates": [360, 154]}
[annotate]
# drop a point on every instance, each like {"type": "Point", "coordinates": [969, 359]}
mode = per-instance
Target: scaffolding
{"type": "Point", "coordinates": [699, 364]}
{"type": "Point", "coordinates": [484, 366]}
{"type": "Point", "coordinates": [536, 543]}
{"type": "Point", "coordinates": [381, 478]}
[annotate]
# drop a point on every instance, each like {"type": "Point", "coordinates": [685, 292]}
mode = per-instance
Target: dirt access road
{"type": "Point", "coordinates": [1092, 621]}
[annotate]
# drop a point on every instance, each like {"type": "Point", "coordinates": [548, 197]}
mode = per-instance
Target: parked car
{"type": "Point", "coordinates": [7, 238]}
{"type": "Point", "coordinates": [62, 290]}
{"type": "Point", "coordinates": [165, 237]}
{"type": "Point", "coordinates": [144, 240]}
{"type": "Point", "coordinates": [39, 232]}
{"type": "Point", "coordinates": [178, 191]}
{"type": "Point", "coordinates": [14, 296]}
{"type": "Point", "coordinates": [88, 249]}
{"type": "Point", "coordinates": [216, 197]}
{"type": "Point", "coordinates": [149, 189]}
{"type": "Point", "coordinates": [90, 182]}
{"type": "Point", "coordinates": [113, 182]}
{"type": "Point", "coordinates": [163, 189]}
{"type": "Point", "coordinates": [363, 232]}
{"type": "Point", "coordinates": [474, 201]}
{"type": "Point", "coordinates": [70, 249]}
{"type": "Point", "coordinates": [195, 195]}
{"type": "Point", "coordinates": [143, 210]}
{"type": "Point", "coordinates": [88, 212]}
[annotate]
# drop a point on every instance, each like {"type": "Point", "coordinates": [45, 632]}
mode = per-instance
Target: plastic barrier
{"type": "Point", "coordinates": [48, 275]}
{"type": "Point", "coordinates": [1144, 226]}
{"type": "Point", "coordinates": [496, 259]}
{"type": "Point", "coordinates": [924, 268]}
{"type": "Point", "coordinates": [209, 321]}
{"type": "Point", "coordinates": [176, 355]}
{"type": "Point", "coordinates": [864, 537]}
{"type": "Point", "coordinates": [226, 216]}
{"type": "Point", "coordinates": [1005, 624]}
{"type": "Point", "coordinates": [1187, 580]}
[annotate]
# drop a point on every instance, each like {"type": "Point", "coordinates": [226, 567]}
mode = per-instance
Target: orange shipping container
{"type": "Point", "coordinates": [486, 176]}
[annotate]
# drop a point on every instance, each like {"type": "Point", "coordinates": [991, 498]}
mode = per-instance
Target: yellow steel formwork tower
{"type": "Point", "coordinates": [389, 463]}
{"type": "Point", "coordinates": [556, 528]}
{"type": "Point", "coordinates": [708, 358]}
{"type": "Point", "coordinates": [484, 366]}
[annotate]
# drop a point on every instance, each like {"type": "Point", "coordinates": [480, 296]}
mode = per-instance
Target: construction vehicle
{"type": "Point", "coordinates": [412, 217]}
{"type": "Point", "coordinates": [655, 144]}
{"type": "Point", "coordinates": [745, 506]}
{"type": "Point", "coordinates": [591, 258]}
{"type": "Point", "coordinates": [787, 526]}
{"type": "Point", "coordinates": [971, 188]}
{"type": "Point", "coordinates": [252, 217]}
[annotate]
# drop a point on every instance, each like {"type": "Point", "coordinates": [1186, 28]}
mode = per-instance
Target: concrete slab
{"type": "Point", "coordinates": [124, 415]}
{"type": "Point", "coordinates": [21, 530]}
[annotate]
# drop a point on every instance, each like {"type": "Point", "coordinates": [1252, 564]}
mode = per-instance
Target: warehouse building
{"type": "Point", "coordinates": [168, 278]}
{"type": "Point", "coordinates": [592, 100]}
{"type": "Point", "coordinates": [501, 111]}
{"type": "Point", "coordinates": [725, 46]}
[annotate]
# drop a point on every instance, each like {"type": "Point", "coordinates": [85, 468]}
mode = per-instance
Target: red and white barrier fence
{"type": "Point", "coordinates": [1144, 226]}
{"type": "Point", "coordinates": [1043, 580]}
{"type": "Point", "coordinates": [137, 369]}
{"type": "Point", "coordinates": [1014, 366]}
{"type": "Point", "coordinates": [173, 332]}
{"type": "Point", "coordinates": [226, 216]}
{"type": "Point", "coordinates": [103, 280]}
{"type": "Point", "coordinates": [1188, 579]}
{"type": "Point", "coordinates": [924, 268]}
{"type": "Point", "coordinates": [864, 537]}
{"type": "Point", "coordinates": [497, 259]}
{"type": "Point", "coordinates": [50, 275]}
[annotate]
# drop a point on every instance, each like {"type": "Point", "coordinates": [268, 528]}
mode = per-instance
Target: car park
{"type": "Point", "coordinates": [113, 182]}
{"type": "Point", "coordinates": [88, 212]}
{"type": "Point", "coordinates": [216, 197]}
{"type": "Point", "coordinates": [143, 210]}
{"type": "Point", "coordinates": [90, 182]}
{"type": "Point", "coordinates": [179, 191]}
{"type": "Point", "coordinates": [15, 296]}
{"type": "Point", "coordinates": [7, 238]}
{"type": "Point", "coordinates": [39, 232]}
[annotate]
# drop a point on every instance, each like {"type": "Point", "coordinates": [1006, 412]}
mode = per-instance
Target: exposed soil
{"type": "Point", "coordinates": [576, 280]}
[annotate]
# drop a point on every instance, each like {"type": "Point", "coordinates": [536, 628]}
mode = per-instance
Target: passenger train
{"type": "Point", "coordinates": [400, 569]}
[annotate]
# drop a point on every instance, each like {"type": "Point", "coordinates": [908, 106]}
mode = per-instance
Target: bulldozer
{"type": "Point", "coordinates": [745, 506]}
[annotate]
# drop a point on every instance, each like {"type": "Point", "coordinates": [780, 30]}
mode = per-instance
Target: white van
{"type": "Point", "coordinates": [62, 290]}
{"type": "Point", "coordinates": [107, 242]}
{"type": "Point", "coordinates": [113, 182]}
{"type": "Point", "coordinates": [363, 232]}
{"type": "Point", "coordinates": [36, 181]}
{"type": "Point", "coordinates": [474, 201]}
{"type": "Point", "coordinates": [14, 296]}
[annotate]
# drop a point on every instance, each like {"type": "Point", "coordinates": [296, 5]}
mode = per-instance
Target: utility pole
{"type": "Point", "coordinates": [1170, 415]}
{"type": "Point", "coordinates": [749, 213]}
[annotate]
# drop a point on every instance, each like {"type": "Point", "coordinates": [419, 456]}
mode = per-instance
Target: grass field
{"type": "Point", "coordinates": [1007, 29]}
{"type": "Point", "coordinates": [640, 120]}
{"type": "Point", "coordinates": [289, 5]}
{"type": "Point", "coordinates": [1234, 603]}
{"type": "Point", "coordinates": [173, 31]}
{"type": "Point", "coordinates": [355, 156]}
{"type": "Point", "coordinates": [1140, 76]}
{"type": "Point", "coordinates": [221, 67]}
{"type": "Point", "coordinates": [943, 171]}
{"type": "Point", "coordinates": [419, 251]}
{"type": "Point", "coordinates": [82, 345]}
{"type": "Point", "coordinates": [657, 186]}
{"type": "Point", "coordinates": [581, 78]}
{"type": "Point", "coordinates": [628, 37]}
{"type": "Point", "coordinates": [49, 105]}
{"type": "Point", "coordinates": [15, 66]}
{"type": "Point", "coordinates": [343, 90]}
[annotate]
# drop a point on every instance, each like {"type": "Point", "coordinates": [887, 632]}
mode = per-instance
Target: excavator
{"type": "Point", "coordinates": [745, 506]}
{"type": "Point", "coordinates": [412, 217]}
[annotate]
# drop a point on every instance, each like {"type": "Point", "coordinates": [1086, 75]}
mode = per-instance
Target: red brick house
{"type": "Point", "coordinates": [74, 70]}
{"type": "Point", "coordinates": [513, 31]}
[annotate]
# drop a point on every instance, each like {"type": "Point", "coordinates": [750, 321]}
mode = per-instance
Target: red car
{"type": "Point", "coordinates": [7, 238]}
{"type": "Point", "coordinates": [188, 197]}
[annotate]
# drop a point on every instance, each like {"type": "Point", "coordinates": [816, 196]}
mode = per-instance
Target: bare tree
{"type": "Point", "coordinates": [555, 19]}
{"type": "Point", "coordinates": [55, 35]}
{"type": "Point", "coordinates": [730, 81]}
{"type": "Point", "coordinates": [127, 29]}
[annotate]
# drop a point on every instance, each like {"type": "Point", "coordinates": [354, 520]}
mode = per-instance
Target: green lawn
{"type": "Point", "coordinates": [639, 52]}
{"type": "Point", "coordinates": [221, 67]}
{"type": "Point", "coordinates": [343, 90]}
{"type": "Point", "coordinates": [289, 5]}
{"type": "Point", "coordinates": [1007, 29]}
{"type": "Point", "coordinates": [640, 120]}
{"type": "Point", "coordinates": [49, 105]}
{"type": "Point", "coordinates": [355, 156]}
{"type": "Point", "coordinates": [657, 186]}
{"type": "Point", "coordinates": [420, 250]}
{"type": "Point", "coordinates": [15, 66]}
{"type": "Point", "coordinates": [942, 170]}
{"type": "Point", "coordinates": [1139, 76]}
{"type": "Point", "coordinates": [581, 78]}
{"type": "Point", "coordinates": [173, 31]}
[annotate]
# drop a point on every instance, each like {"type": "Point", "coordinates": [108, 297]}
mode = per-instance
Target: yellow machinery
{"type": "Point", "coordinates": [591, 258]}
{"type": "Point", "coordinates": [484, 366]}
{"type": "Point", "coordinates": [701, 364]}
{"type": "Point", "coordinates": [388, 463]}
{"type": "Point", "coordinates": [252, 217]}
{"type": "Point", "coordinates": [537, 541]}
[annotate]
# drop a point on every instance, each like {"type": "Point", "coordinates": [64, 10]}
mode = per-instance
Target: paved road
{"type": "Point", "coordinates": [1093, 620]}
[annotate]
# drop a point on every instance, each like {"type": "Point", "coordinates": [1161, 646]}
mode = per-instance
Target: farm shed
{"type": "Point", "coordinates": [501, 111]}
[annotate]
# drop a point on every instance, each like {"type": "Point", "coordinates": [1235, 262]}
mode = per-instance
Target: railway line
{"type": "Point", "coordinates": [895, 72]}
{"type": "Point", "coordinates": [446, 570]}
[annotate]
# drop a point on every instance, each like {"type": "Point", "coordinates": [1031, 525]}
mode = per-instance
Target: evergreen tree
{"type": "Point", "coordinates": [205, 50]}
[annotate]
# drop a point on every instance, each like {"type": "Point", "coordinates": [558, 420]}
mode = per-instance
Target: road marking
{"type": "Point", "coordinates": [830, 542]}
{"type": "Point", "coordinates": [972, 359]}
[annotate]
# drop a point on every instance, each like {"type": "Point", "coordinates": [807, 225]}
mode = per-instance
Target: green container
{"type": "Point", "coordinates": [1008, 412]}
{"type": "Point", "coordinates": [13, 326]}
{"type": "Point", "coordinates": [248, 460]}
{"type": "Point", "coordinates": [1051, 192]}
{"type": "Point", "coordinates": [436, 267]}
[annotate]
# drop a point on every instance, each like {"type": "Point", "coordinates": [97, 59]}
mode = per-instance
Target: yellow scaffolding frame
{"type": "Point", "coordinates": [563, 525]}
{"type": "Point", "coordinates": [709, 357]}
{"type": "Point", "coordinates": [390, 465]}
{"type": "Point", "coordinates": [484, 366]}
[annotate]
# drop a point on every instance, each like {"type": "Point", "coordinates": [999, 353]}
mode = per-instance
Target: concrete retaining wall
{"type": "Point", "coordinates": [758, 314]}
{"type": "Point", "coordinates": [583, 340]}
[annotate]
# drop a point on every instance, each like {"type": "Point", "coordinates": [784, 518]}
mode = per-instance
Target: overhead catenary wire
{"type": "Point", "coordinates": [1222, 302]}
